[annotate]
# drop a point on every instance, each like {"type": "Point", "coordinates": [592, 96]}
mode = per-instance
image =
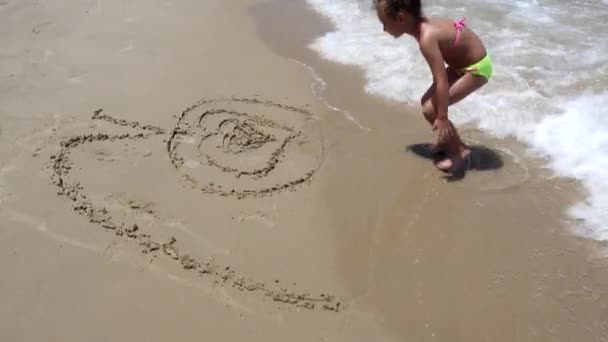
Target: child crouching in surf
{"type": "Point", "coordinates": [458, 61]}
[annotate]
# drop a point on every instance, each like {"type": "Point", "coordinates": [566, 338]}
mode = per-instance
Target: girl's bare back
{"type": "Point", "coordinates": [468, 48]}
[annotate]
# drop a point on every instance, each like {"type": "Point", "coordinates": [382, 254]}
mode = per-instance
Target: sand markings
{"type": "Point", "coordinates": [221, 136]}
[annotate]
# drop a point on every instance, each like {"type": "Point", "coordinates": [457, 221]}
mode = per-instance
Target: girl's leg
{"type": "Point", "coordinates": [460, 89]}
{"type": "Point", "coordinates": [429, 114]}
{"type": "Point", "coordinates": [428, 111]}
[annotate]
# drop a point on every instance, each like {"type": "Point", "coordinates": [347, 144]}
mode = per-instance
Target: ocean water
{"type": "Point", "coordinates": [550, 84]}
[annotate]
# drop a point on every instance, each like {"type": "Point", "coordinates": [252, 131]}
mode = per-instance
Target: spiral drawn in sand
{"type": "Point", "coordinates": [236, 133]}
{"type": "Point", "coordinates": [245, 147]}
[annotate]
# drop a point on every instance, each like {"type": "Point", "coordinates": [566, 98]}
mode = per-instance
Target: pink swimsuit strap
{"type": "Point", "coordinates": [459, 25]}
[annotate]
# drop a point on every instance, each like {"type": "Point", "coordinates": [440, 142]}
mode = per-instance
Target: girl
{"type": "Point", "coordinates": [458, 61]}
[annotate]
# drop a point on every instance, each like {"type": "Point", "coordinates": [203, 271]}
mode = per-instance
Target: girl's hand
{"type": "Point", "coordinates": [444, 130]}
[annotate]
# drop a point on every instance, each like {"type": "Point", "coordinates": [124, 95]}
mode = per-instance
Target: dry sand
{"type": "Point", "coordinates": [167, 171]}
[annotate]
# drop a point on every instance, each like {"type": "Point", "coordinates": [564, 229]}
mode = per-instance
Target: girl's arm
{"type": "Point", "coordinates": [429, 47]}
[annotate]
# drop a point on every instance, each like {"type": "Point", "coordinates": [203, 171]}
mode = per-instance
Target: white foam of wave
{"type": "Point", "coordinates": [576, 143]}
{"type": "Point", "coordinates": [318, 86]}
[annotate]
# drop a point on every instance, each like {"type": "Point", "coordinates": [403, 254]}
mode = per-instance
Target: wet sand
{"type": "Point", "coordinates": [490, 257]}
{"type": "Point", "coordinates": [154, 179]}
{"type": "Point", "coordinates": [169, 171]}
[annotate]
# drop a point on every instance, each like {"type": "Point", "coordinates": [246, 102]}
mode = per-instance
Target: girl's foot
{"type": "Point", "coordinates": [439, 152]}
{"type": "Point", "coordinates": [455, 163]}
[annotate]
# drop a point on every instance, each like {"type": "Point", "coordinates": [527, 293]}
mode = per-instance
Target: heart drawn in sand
{"type": "Point", "coordinates": [244, 147]}
{"type": "Point", "coordinates": [229, 147]}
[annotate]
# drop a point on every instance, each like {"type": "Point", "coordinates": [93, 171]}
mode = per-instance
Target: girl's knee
{"type": "Point", "coordinates": [429, 111]}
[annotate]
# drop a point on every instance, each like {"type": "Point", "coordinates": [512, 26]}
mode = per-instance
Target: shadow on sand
{"type": "Point", "coordinates": [481, 159]}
